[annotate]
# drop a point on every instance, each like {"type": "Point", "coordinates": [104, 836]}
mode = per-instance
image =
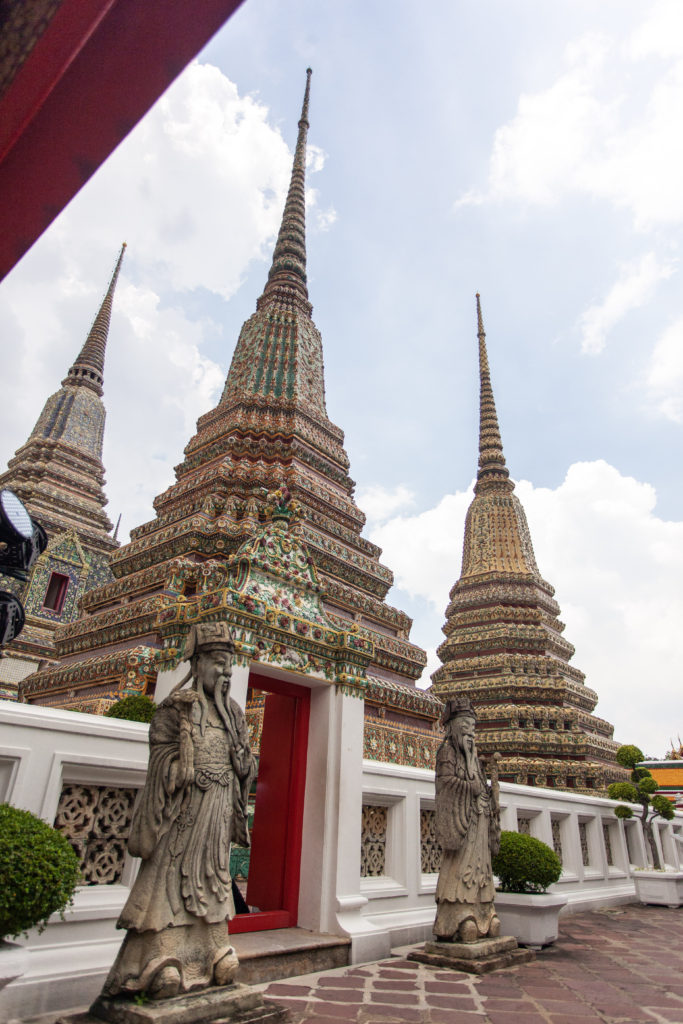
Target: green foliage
{"type": "Point", "coordinates": [623, 791]}
{"type": "Point", "coordinates": [525, 864]}
{"type": "Point", "coordinates": [629, 755]}
{"type": "Point", "coordinates": [623, 812]}
{"type": "Point", "coordinates": [647, 785]}
{"type": "Point", "coordinates": [663, 806]}
{"type": "Point", "coordinates": [641, 773]}
{"type": "Point", "coordinates": [38, 872]}
{"type": "Point", "coordinates": [137, 708]}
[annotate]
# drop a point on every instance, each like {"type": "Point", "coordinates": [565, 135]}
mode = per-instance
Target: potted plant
{"type": "Point", "coordinates": [38, 874]}
{"type": "Point", "coordinates": [525, 867]}
{"type": "Point", "coordinates": [656, 884]}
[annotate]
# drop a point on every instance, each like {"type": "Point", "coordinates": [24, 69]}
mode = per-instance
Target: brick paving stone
{"type": "Point", "coordinates": [457, 1017]}
{"type": "Point", "coordinates": [453, 1002]}
{"type": "Point", "coordinates": [506, 1017]}
{"type": "Point", "coordinates": [339, 1011]}
{"type": "Point", "coordinates": [573, 1019]}
{"type": "Point", "coordinates": [343, 981]}
{"type": "Point", "coordinates": [509, 1005]}
{"type": "Point", "coordinates": [385, 1010]}
{"type": "Point", "coordinates": [558, 1007]}
{"type": "Point", "coordinates": [400, 998]}
{"type": "Point", "coordinates": [396, 986]}
{"type": "Point", "coordinates": [342, 995]}
{"type": "Point", "coordinates": [448, 987]}
{"type": "Point", "coordinates": [282, 988]}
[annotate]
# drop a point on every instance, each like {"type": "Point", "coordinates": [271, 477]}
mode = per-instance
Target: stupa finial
{"type": "Point", "coordinates": [88, 368]}
{"type": "Point", "coordinates": [287, 276]}
{"type": "Point", "coordinates": [492, 473]}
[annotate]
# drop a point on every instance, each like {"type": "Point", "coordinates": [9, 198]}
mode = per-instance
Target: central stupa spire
{"type": "Point", "coordinates": [287, 276]}
{"type": "Point", "coordinates": [492, 473]}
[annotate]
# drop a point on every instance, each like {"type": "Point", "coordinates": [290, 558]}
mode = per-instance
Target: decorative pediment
{"type": "Point", "coordinates": [269, 592]}
{"type": "Point", "coordinates": [65, 547]}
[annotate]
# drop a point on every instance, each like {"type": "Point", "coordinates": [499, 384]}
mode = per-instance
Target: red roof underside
{"type": "Point", "coordinates": [95, 71]}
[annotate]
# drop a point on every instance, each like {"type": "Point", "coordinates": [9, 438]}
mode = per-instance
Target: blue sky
{"type": "Point", "coordinates": [526, 150]}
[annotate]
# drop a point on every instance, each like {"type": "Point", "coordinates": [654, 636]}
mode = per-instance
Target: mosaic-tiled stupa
{"type": "Point", "coordinates": [269, 429]}
{"type": "Point", "coordinates": [504, 646]}
{"type": "Point", "coordinates": [59, 475]}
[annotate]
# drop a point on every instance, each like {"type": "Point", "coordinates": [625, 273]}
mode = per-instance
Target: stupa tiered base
{"type": "Point", "coordinates": [473, 957]}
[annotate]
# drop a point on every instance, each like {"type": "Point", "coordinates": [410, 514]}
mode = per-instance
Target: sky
{"type": "Point", "coordinates": [527, 150]}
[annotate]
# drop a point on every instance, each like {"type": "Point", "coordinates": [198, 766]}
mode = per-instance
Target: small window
{"type": "Point", "coordinates": [56, 592]}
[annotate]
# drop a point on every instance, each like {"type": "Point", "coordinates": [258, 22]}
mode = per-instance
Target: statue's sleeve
{"type": "Point", "coordinates": [158, 803]}
{"type": "Point", "coordinates": [454, 800]}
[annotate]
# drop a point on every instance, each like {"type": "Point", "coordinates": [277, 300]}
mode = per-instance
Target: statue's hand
{"type": "Point", "coordinates": [178, 778]}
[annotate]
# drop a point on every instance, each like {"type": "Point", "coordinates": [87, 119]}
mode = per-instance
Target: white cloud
{"type": "Point", "coordinates": [664, 384]}
{"type": "Point", "coordinates": [616, 568]}
{"type": "Point", "coordinates": [634, 288]}
{"type": "Point", "coordinates": [607, 127]}
{"type": "Point", "coordinates": [380, 504]}
{"type": "Point", "coordinates": [197, 191]}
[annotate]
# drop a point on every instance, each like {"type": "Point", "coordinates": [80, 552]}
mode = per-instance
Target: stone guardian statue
{"type": "Point", "coordinates": [468, 829]}
{"type": "Point", "coordinates": [193, 805]}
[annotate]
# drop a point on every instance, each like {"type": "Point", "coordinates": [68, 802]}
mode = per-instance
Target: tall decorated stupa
{"type": "Point", "coordinates": [504, 646]}
{"type": "Point", "coordinates": [269, 433]}
{"type": "Point", "coordinates": [59, 476]}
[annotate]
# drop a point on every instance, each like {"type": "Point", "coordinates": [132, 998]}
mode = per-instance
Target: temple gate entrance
{"type": "Point", "coordinates": [272, 883]}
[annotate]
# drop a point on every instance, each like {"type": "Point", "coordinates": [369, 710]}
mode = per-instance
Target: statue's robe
{"type": "Point", "coordinates": [193, 805]}
{"type": "Point", "coordinates": [465, 823]}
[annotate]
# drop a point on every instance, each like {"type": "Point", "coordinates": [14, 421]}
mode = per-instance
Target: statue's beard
{"type": "Point", "coordinates": [223, 708]}
{"type": "Point", "coordinates": [470, 757]}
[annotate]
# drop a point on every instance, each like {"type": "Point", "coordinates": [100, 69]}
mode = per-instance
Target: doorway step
{"type": "Point", "coordinates": [287, 952]}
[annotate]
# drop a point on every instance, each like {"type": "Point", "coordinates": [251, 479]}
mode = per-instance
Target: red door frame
{"type": "Point", "coordinates": [293, 791]}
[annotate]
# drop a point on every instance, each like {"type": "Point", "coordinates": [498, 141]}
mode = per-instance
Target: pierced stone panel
{"type": "Point", "coordinates": [430, 850]}
{"type": "Point", "coordinates": [373, 841]}
{"type": "Point", "coordinates": [96, 821]}
{"type": "Point", "coordinates": [608, 843]}
{"type": "Point", "coordinates": [583, 837]}
{"type": "Point", "coordinates": [556, 830]}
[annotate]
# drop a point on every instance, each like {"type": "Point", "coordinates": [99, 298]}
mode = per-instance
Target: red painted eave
{"type": "Point", "coordinates": [96, 70]}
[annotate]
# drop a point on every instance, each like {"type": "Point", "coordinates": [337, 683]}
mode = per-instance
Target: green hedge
{"type": "Point", "coordinates": [137, 708]}
{"type": "Point", "coordinates": [38, 872]}
{"type": "Point", "coordinates": [525, 864]}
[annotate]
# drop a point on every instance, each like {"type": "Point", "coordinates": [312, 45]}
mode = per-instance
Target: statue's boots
{"type": "Point", "coordinates": [165, 984]}
{"type": "Point", "coordinates": [494, 927]}
{"type": "Point", "coordinates": [469, 931]}
{"type": "Point", "coordinates": [225, 970]}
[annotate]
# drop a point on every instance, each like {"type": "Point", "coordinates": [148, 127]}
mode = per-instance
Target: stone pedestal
{"type": "Point", "coordinates": [237, 1003]}
{"type": "Point", "coordinates": [473, 957]}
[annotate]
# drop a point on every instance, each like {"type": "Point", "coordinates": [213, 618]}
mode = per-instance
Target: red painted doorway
{"type": "Point", "coordinates": [275, 856]}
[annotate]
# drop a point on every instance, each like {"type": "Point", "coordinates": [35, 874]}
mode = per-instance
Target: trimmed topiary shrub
{"type": "Point", "coordinates": [640, 790]}
{"type": "Point", "coordinates": [38, 872]}
{"type": "Point", "coordinates": [137, 708]}
{"type": "Point", "coordinates": [525, 864]}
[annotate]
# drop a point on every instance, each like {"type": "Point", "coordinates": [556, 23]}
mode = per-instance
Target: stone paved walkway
{"type": "Point", "coordinates": [618, 966]}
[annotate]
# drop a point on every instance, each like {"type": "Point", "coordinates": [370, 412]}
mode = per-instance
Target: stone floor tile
{"type": "Point", "coordinates": [283, 988]}
{"type": "Point", "coordinates": [447, 987]}
{"type": "Point", "coordinates": [338, 1011]}
{"type": "Point", "coordinates": [452, 1002]}
{"type": "Point", "coordinates": [340, 995]}
{"type": "Point", "coordinates": [387, 1010]}
{"type": "Point", "coordinates": [398, 985]}
{"type": "Point", "coordinates": [457, 1017]}
{"type": "Point", "coordinates": [343, 981]}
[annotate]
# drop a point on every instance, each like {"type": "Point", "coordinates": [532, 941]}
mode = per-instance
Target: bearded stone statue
{"type": "Point", "coordinates": [468, 829]}
{"type": "Point", "coordinates": [193, 805]}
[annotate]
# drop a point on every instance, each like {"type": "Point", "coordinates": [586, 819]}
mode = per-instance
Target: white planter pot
{"type": "Point", "coordinates": [532, 919]}
{"type": "Point", "coordinates": [13, 962]}
{"type": "Point", "coordinates": [663, 888]}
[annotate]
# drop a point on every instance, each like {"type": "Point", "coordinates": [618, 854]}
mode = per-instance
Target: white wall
{"type": "Point", "coordinates": [42, 748]}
